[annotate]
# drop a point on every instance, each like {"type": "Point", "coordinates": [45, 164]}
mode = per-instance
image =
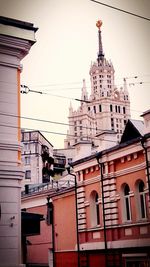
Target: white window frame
{"type": "Point", "coordinates": [126, 199]}
{"type": "Point", "coordinates": [94, 209]}
{"type": "Point", "coordinates": [139, 205]}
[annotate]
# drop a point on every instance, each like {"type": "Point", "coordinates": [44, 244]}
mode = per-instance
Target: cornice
{"type": "Point", "coordinates": [14, 46]}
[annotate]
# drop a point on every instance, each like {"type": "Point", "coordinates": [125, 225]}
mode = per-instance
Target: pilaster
{"type": "Point", "coordinates": [16, 39]}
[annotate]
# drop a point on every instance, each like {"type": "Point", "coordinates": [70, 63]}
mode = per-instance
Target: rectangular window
{"type": "Point", "coordinates": [94, 107]}
{"type": "Point", "coordinates": [28, 174]}
{"type": "Point", "coordinates": [116, 108]}
{"type": "Point", "coordinates": [30, 136]}
{"type": "Point", "coordinates": [124, 110]}
{"type": "Point", "coordinates": [111, 108]}
{"type": "Point", "coordinates": [143, 206]}
{"type": "Point", "coordinates": [100, 108]}
{"type": "Point", "coordinates": [27, 146]}
{"type": "Point", "coordinates": [36, 148]}
{"type": "Point", "coordinates": [27, 160]}
{"type": "Point", "coordinates": [127, 203]}
{"type": "Point", "coordinates": [119, 109]}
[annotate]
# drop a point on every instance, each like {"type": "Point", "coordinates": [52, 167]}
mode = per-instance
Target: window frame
{"type": "Point", "coordinates": [94, 209]}
{"type": "Point", "coordinates": [141, 201]}
{"type": "Point", "coordinates": [27, 176]}
{"type": "Point", "coordinates": [126, 210]}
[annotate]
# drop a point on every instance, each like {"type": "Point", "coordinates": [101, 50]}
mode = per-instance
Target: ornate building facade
{"type": "Point", "coordinates": [16, 39]}
{"type": "Point", "coordinates": [104, 220]}
{"type": "Point", "coordinates": [106, 109]}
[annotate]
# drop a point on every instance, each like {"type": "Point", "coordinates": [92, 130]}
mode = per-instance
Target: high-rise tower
{"type": "Point", "coordinates": [106, 109]}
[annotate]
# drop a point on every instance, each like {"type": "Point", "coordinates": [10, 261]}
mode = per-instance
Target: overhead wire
{"type": "Point", "coordinates": [86, 101]}
{"type": "Point", "coordinates": [26, 90]}
{"type": "Point", "coordinates": [46, 121]}
{"type": "Point", "coordinates": [121, 10]}
{"type": "Point", "coordinates": [58, 133]}
{"type": "Point", "coordinates": [79, 88]}
{"type": "Point", "coordinates": [76, 99]}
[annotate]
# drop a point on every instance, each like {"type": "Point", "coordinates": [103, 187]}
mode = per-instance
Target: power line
{"type": "Point", "coordinates": [52, 122]}
{"type": "Point", "coordinates": [138, 83]}
{"type": "Point", "coordinates": [121, 10]}
{"type": "Point", "coordinates": [89, 87]}
{"type": "Point", "coordinates": [79, 88]}
{"type": "Point", "coordinates": [46, 121]}
{"type": "Point", "coordinates": [103, 80]}
{"type": "Point", "coordinates": [26, 90]}
{"type": "Point", "coordinates": [58, 133]}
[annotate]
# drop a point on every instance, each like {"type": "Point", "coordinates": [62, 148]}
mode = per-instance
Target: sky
{"type": "Point", "coordinates": [66, 43]}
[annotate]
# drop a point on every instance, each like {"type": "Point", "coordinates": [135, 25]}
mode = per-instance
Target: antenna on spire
{"type": "Point", "coordinates": [100, 47]}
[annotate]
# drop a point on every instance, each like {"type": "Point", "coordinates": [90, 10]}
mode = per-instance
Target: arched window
{"type": "Point", "coordinates": [141, 200]}
{"type": "Point", "coordinates": [126, 200]}
{"type": "Point", "coordinates": [94, 208]}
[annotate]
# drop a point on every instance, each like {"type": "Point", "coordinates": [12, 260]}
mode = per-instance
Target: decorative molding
{"type": "Point", "coordinates": [86, 203]}
{"type": "Point", "coordinates": [129, 158]}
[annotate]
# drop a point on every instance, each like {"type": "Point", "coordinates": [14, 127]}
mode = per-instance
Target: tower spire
{"type": "Point", "coordinates": [100, 47]}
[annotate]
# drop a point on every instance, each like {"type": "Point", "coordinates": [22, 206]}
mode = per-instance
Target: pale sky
{"type": "Point", "coordinates": [66, 44]}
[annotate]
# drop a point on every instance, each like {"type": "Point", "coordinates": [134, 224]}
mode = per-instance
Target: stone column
{"type": "Point", "coordinates": [16, 39]}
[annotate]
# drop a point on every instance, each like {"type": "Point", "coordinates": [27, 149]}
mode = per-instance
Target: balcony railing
{"type": "Point", "coordinates": [53, 186]}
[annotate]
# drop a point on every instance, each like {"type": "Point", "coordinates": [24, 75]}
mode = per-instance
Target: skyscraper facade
{"type": "Point", "coordinates": [107, 109]}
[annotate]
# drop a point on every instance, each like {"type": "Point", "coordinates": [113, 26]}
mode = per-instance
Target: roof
{"type": "Point", "coordinates": [85, 142]}
{"type": "Point", "coordinates": [35, 131]}
{"type": "Point", "coordinates": [146, 112]}
{"type": "Point", "coordinates": [133, 133]}
{"type": "Point", "coordinates": [133, 129]}
{"type": "Point", "coordinates": [105, 132]}
{"type": "Point", "coordinates": [17, 23]}
{"type": "Point", "coordinates": [139, 126]}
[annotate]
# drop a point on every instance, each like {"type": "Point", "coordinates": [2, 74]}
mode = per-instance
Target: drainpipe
{"type": "Point", "coordinates": [147, 163]}
{"type": "Point", "coordinates": [77, 228]}
{"type": "Point", "coordinates": [50, 207]}
{"type": "Point", "coordinates": [101, 165]}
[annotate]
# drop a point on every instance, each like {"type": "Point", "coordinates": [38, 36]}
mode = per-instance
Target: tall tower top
{"type": "Point", "coordinates": [100, 47]}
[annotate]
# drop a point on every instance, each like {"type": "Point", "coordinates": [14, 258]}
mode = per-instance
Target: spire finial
{"type": "Point", "coordinates": [99, 24]}
{"type": "Point", "coordinates": [100, 52]}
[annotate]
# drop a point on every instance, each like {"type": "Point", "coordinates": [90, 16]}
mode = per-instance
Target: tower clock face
{"type": "Point", "coordinates": [116, 94]}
